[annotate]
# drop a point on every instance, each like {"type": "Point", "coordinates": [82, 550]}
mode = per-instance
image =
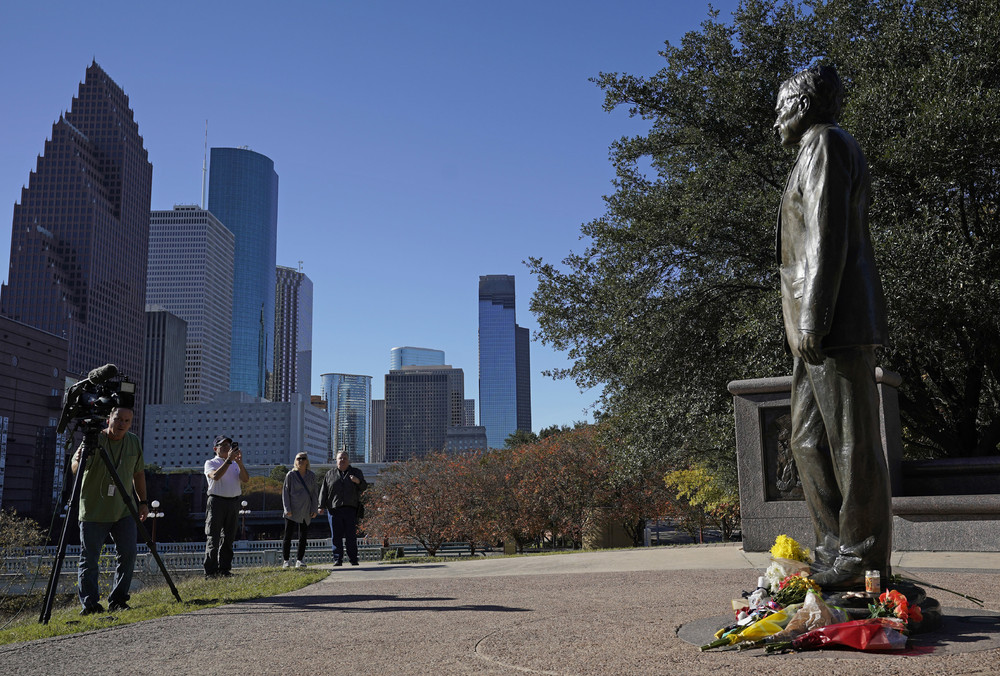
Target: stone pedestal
{"type": "Point", "coordinates": [771, 500]}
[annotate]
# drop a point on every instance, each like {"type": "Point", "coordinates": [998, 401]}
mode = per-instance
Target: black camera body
{"type": "Point", "coordinates": [96, 396]}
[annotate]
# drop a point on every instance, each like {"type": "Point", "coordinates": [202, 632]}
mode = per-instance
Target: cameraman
{"type": "Point", "coordinates": [222, 512]}
{"type": "Point", "coordinates": [103, 511]}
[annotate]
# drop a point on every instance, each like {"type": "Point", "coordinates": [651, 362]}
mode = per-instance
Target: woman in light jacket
{"type": "Point", "coordinates": [299, 502]}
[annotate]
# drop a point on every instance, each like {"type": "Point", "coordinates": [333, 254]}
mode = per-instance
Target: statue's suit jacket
{"type": "Point", "coordinates": [829, 283]}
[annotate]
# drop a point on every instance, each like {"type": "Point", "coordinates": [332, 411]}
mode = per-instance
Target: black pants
{"type": "Point", "coordinates": [221, 518]}
{"type": "Point", "coordinates": [286, 546]}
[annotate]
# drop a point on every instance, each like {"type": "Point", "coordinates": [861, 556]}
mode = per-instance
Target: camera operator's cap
{"type": "Point", "coordinates": [222, 437]}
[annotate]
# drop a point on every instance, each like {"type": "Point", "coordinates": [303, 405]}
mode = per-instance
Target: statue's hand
{"type": "Point", "coordinates": [809, 348]}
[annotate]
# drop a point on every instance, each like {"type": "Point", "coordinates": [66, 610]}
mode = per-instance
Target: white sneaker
{"type": "Point", "coordinates": [285, 564]}
{"type": "Point", "coordinates": [299, 564]}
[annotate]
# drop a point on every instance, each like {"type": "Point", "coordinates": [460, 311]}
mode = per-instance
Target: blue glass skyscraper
{"type": "Point", "coordinates": [243, 194]}
{"type": "Point", "coordinates": [348, 404]}
{"type": "Point", "coordinates": [504, 366]}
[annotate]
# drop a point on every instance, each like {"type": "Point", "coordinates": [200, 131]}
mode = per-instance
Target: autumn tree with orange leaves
{"type": "Point", "coordinates": [415, 500]}
{"type": "Point", "coordinates": [553, 488]}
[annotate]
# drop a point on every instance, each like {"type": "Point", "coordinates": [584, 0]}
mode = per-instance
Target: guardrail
{"type": "Point", "coordinates": [185, 556]}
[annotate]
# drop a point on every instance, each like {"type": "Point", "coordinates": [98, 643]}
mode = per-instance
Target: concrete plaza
{"type": "Point", "coordinates": [605, 612]}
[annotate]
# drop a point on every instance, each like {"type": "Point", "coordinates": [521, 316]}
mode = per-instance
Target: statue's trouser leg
{"type": "Point", "coordinates": [838, 452]}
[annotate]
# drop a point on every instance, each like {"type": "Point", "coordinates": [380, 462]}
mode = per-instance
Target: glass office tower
{"type": "Point", "coordinates": [348, 404]}
{"type": "Point", "coordinates": [504, 368]}
{"type": "Point", "coordinates": [243, 194]}
{"type": "Point", "coordinates": [414, 356]}
{"type": "Point", "coordinates": [81, 231]}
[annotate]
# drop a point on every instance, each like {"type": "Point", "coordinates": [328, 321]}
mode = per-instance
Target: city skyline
{"type": "Point", "coordinates": [404, 136]}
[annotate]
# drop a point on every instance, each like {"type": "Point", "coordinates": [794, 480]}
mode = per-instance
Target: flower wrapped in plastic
{"type": "Point", "coordinates": [785, 547]}
{"type": "Point", "coordinates": [880, 633]}
{"type": "Point", "coordinates": [813, 614]}
{"type": "Point", "coordinates": [762, 628]}
{"type": "Point", "coordinates": [788, 557]}
{"type": "Point", "coordinates": [793, 589]}
{"type": "Point", "coordinates": [893, 604]}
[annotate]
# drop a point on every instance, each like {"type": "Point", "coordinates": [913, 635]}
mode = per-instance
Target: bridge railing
{"type": "Point", "coordinates": [191, 555]}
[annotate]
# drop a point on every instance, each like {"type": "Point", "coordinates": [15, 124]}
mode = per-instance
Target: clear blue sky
{"type": "Point", "coordinates": [418, 144]}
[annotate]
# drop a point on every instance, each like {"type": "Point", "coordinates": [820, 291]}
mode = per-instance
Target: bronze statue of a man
{"type": "Point", "coordinates": [834, 315]}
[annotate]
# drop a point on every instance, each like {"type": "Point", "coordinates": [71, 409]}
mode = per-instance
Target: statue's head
{"type": "Point", "coordinates": [809, 97]}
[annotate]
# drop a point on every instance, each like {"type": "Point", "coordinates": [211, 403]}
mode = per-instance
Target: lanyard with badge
{"type": "Point", "coordinates": [117, 465]}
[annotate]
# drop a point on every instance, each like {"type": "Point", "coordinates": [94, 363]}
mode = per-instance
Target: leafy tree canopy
{"type": "Point", "coordinates": [278, 473]}
{"type": "Point", "coordinates": [676, 292]}
{"type": "Point", "coordinates": [520, 438]}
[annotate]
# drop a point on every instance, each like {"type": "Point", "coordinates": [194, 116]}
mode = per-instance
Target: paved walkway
{"type": "Point", "coordinates": [609, 612]}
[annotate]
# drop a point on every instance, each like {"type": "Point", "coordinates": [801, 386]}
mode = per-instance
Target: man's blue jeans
{"type": "Point", "coordinates": [92, 537]}
{"type": "Point", "coordinates": [343, 529]}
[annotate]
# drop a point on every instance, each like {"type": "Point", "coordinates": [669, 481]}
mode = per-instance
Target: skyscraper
{"type": "Point", "coordinates": [348, 405]}
{"type": "Point", "coordinates": [414, 356]}
{"type": "Point", "coordinates": [421, 404]}
{"type": "Point", "coordinates": [163, 371]}
{"type": "Point", "coordinates": [504, 366]}
{"type": "Point", "coordinates": [80, 234]}
{"type": "Point", "coordinates": [378, 431]}
{"type": "Point", "coordinates": [191, 275]}
{"type": "Point", "coordinates": [243, 194]}
{"type": "Point", "coordinates": [32, 460]}
{"type": "Point", "coordinates": [293, 307]}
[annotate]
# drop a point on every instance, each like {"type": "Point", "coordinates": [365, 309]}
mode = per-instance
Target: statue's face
{"type": "Point", "coordinates": [791, 122]}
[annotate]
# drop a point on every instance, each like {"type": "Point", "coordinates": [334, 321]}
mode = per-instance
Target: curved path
{"type": "Point", "coordinates": [608, 613]}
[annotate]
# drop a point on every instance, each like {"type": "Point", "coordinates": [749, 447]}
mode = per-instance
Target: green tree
{"type": "Point", "coordinates": [924, 103]}
{"type": "Point", "coordinates": [676, 292]}
{"type": "Point", "coordinates": [698, 488]}
{"type": "Point", "coordinates": [552, 430]}
{"type": "Point", "coordinates": [519, 438]}
{"type": "Point", "coordinates": [278, 473]}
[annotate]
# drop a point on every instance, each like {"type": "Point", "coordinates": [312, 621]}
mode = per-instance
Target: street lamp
{"type": "Point", "coordinates": [243, 513]}
{"type": "Point", "coordinates": [153, 514]}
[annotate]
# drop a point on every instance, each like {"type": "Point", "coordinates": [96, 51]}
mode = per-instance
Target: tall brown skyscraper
{"type": "Point", "coordinates": [81, 230]}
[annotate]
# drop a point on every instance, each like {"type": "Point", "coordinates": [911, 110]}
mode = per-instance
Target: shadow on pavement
{"type": "Point", "coordinates": [387, 603]}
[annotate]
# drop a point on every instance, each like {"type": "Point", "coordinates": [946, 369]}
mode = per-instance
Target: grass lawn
{"type": "Point", "coordinates": [19, 614]}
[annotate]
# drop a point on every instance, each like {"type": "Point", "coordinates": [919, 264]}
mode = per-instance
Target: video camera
{"type": "Point", "coordinates": [94, 397]}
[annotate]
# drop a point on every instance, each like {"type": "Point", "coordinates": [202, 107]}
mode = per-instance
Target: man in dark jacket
{"type": "Point", "coordinates": [340, 496]}
{"type": "Point", "coordinates": [834, 315]}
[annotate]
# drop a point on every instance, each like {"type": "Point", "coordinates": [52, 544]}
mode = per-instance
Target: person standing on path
{"type": "Point", "coordinates": [103, 512]}
{"type": "Point", "coordinates": [225, 486]}
{"type": "Point", "coordinates": [340, 496]}
{"type": "Point", "coordinates": [299, 503]}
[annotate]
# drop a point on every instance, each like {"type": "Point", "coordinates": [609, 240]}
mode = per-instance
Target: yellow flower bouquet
{"type": "Point", "coordinates": [788, 557]}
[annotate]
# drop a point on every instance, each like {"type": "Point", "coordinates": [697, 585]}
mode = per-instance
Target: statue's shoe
{"type": "Point", "coordinates": [834, 580]}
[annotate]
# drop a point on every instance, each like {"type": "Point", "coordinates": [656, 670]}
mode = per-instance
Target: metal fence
{"type": "Point", "coordinates": [189, 556]}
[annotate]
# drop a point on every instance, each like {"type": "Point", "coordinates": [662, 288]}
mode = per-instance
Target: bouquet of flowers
{"type": "Point", "coordinates": [893, 604]}
{"type": "Point", "coordinates": [766, 626]}
{"type": "Point", "coordinates": [785, 547]}
{"type": "Point", "coordinates": [793, 589]}
{"type": "Point", "coordinates": [813, 614]}
{"type": "Point", "coordinates": [788, 557]}
{"type": "Point", "coordinates": [872, 634]}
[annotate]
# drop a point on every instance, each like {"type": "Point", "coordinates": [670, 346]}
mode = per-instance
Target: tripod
{"type": "Point", "coordinates": [92, 428]}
